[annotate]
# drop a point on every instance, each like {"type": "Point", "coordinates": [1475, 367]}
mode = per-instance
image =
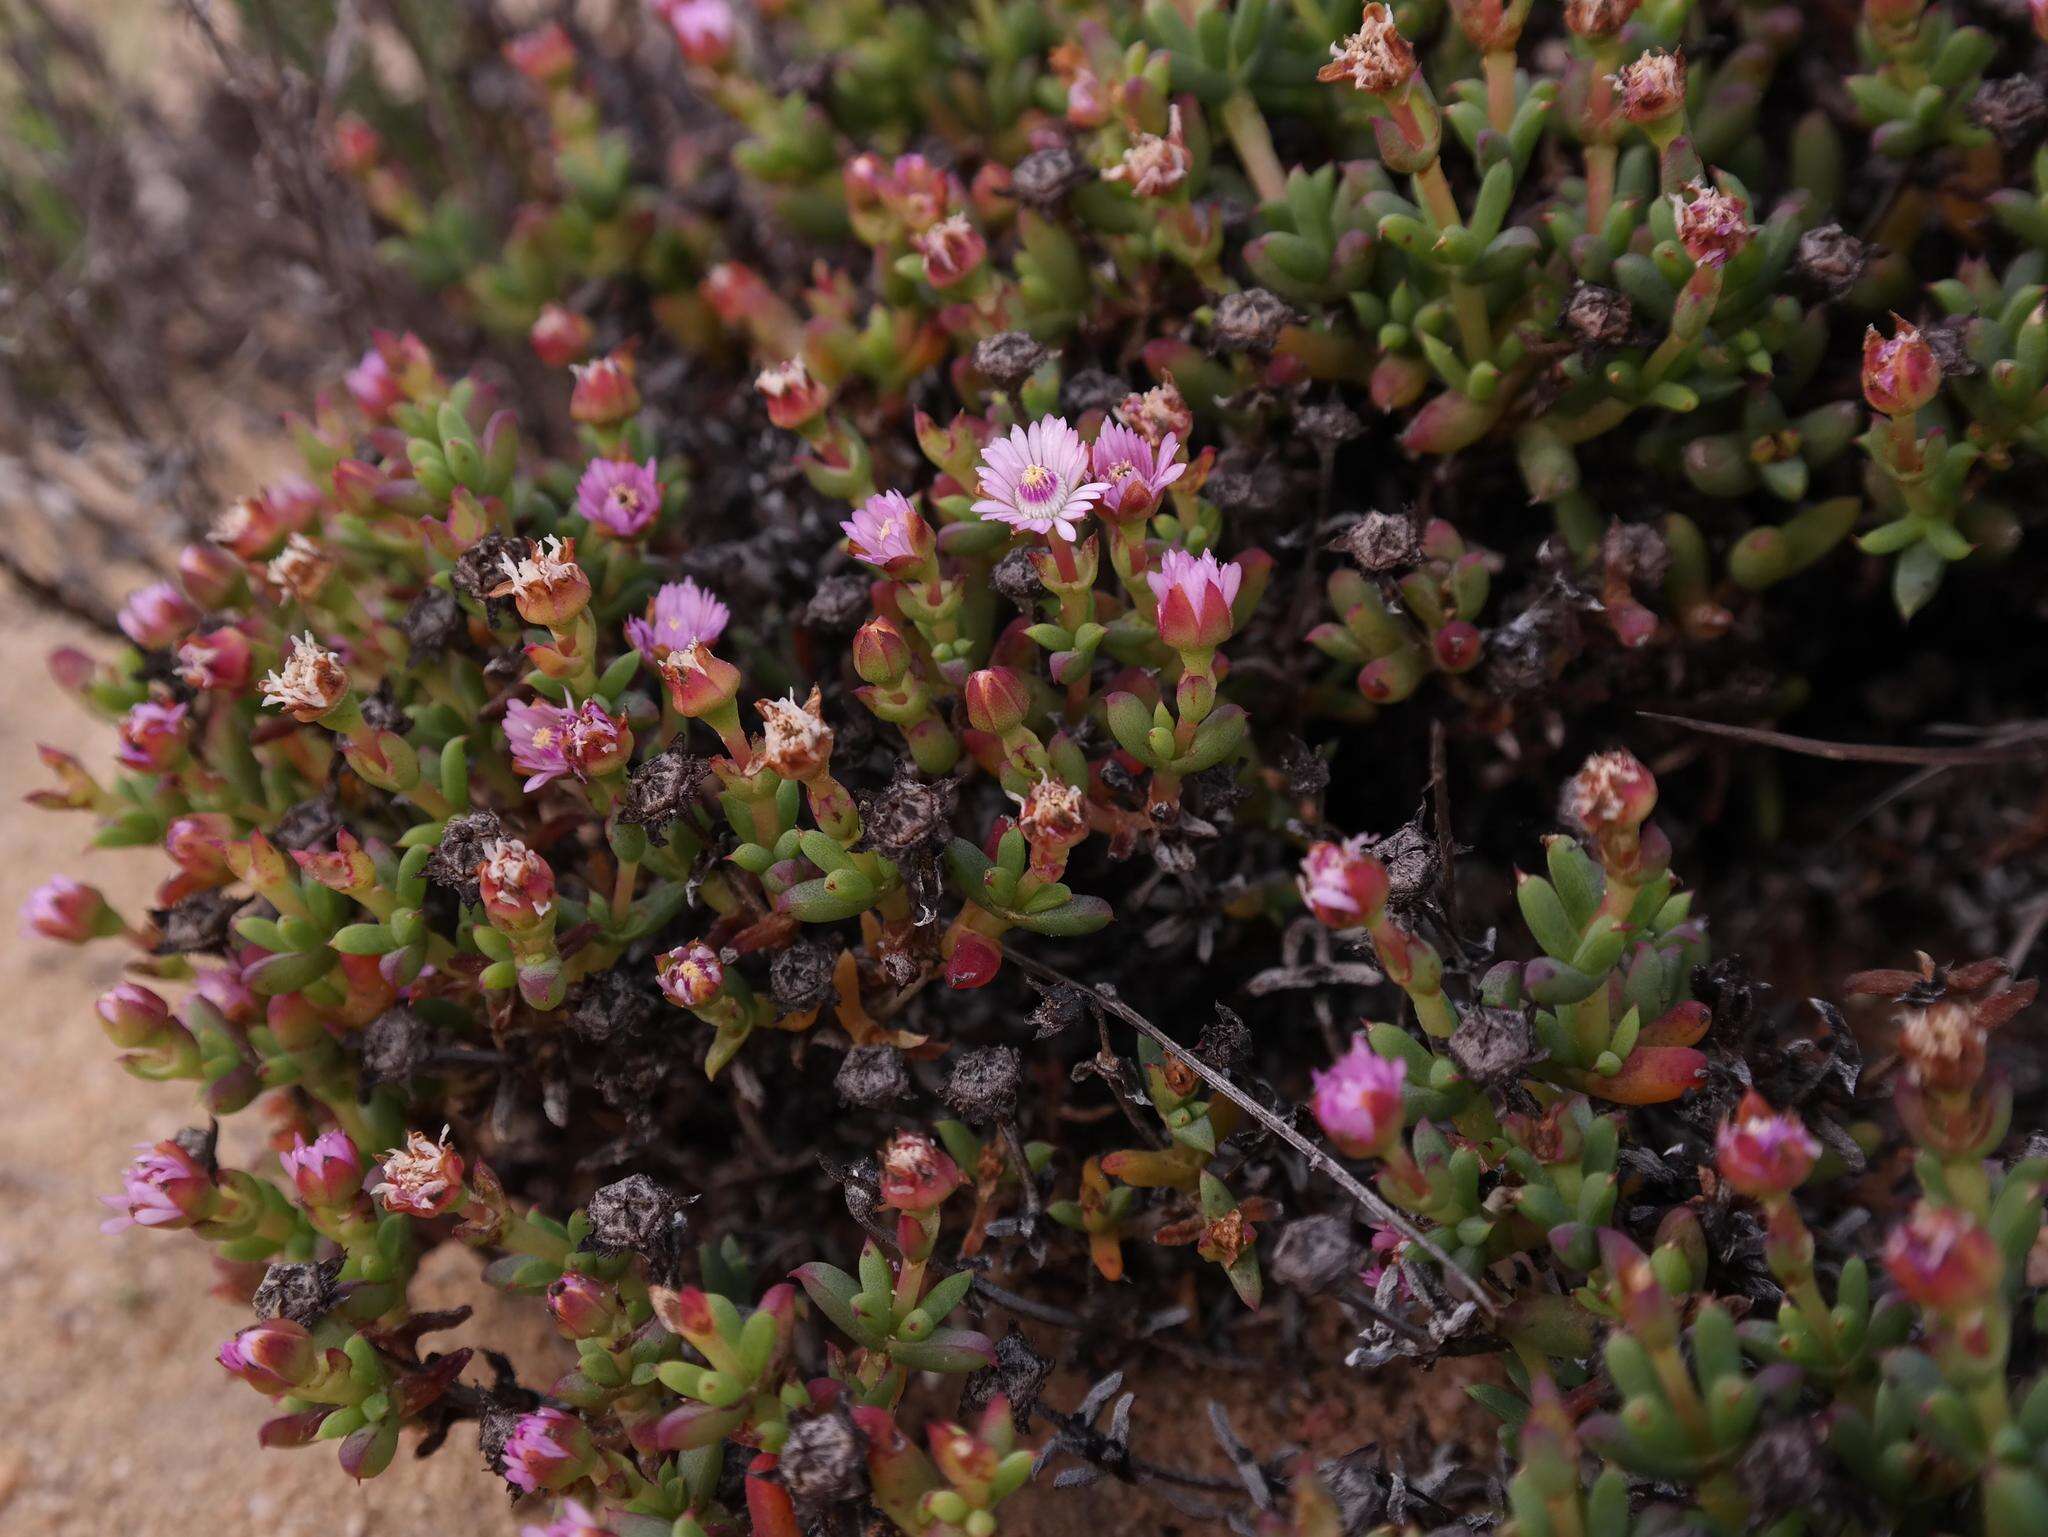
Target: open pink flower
{"type": "Point", "coordinates": [1358, 1100]}
{"type": "Point", "coordinates": [539, 734]}
{"type": "Point", "coordinates": [690, 975]}
{"type": "Point", "coordinates": [1194, 595]}
{"type": "Point", "coordinates": [1136, 470]}
{"type": "Point", "coordinates": [619, 496]}
{"type": "Point", "coordinates": [1342, 883]}
{"type": "Point", "coordinates": [681, 615]}
{"type": "Point", "coordinates": [1036, 479]}
{"type": "Point", "coordinates": [164, 1187]}
{"type": "Point", "coordinates": [886, 532]}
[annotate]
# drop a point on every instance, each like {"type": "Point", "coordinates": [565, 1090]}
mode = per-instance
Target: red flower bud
{"type": "Point", "coordinates": [916, 1173]}
{"type": "Point", "coordinates": [880, 653]}
{"type": "Point", "coordinates": [997, 700]}
{"type": "Point", "coordinates": [560, 336]}
{"type": "Point", "coordinates": [273, 1357]}
{"type": "Point", "coordinates": [1900, 375]}
{"type": "Point", "coordinates": [545, 55]}
{"type": "Point", "coordinates": [326, 1172]}
{"type": "Point", "coordinates": [583, 1307]}
{"type": "Point", "coordinates": [1764, 1154]}
{"type": "Point", "coordinates": [1943, 1259]}
{"type": "Point", "coordinates": [1343, 885]}
{"type": "Point", "coordinates": [605, 393]}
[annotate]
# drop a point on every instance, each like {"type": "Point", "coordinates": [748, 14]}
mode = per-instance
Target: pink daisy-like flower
{"type": "Point", "coordinates": [1194, 593]}
{"type": "Point", "coordinates": [1358, 1100]}
{"type": "Point", "coordinates": [164, 1187]}
{"type": "Point", "coordinates": [886, 532]}
{"type": "Point", "coordinates": [619, 496]}
{"type": "Point", "coordinates": [538, 732]}
{"type": "Point", "coordinates": [1136, 470]}
{"type": "Point", "coordinates": [546, 1450]}
{"type": "Point", "coordinates": [1036, 479]}
{"type": "Point", "coordinates": [681, 615]}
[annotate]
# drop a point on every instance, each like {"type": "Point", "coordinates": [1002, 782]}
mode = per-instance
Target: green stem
{"type": "Point", "coordinates": [1253, 141]}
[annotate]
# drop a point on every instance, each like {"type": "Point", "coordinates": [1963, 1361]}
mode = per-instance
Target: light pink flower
{"type": "Point", "coordinates": [215, 659]}
{"type": "Point", "coordinates": [64, 910]}
{"type": "Point", "coordinates": [155, 616]}
{"type": "Point", "coordinates": [538, 733]}
{"type": "Point", "coordinates": [164, 1187]}
{"type": "Point", "coordinates": [328, 1171]}
{"type": "Point", "coordinates": [1194, 595]}
{"type": "Point", "coordinates": [1136, 470]}
{"type": "Point", "coordinates": [690, 975]}
{"type": "Point", "coordinates": [571, 1520]}
{"type": "Point", "coordinates": [619, 496]}
{"type": "Point", "coordinates": [517, 885]}
{"type": "Point", "coordinates": [681, 615]}
{"type": "Point", "coordinates": [153, 735]}
{"type": "Point", "coordinates": [373, 386]}
{"type": "Point", "coordinates": [547, 1449]}
{"type": "Point", "coordinates": [886, 532]}
{"type": "Point", "coordinates": [1762, 1153]}
{"type": "Point", "coordinates": [1358, 1100]}
{"type": "Point", "coordinates": [1155, 163]}
{"type": "Point", "coordinates": [1036, 479]}
{"type": "Point", "coordinates": [423, 1178]}
{"type": "Point", "coordinates": [703, 29]}
{"type": "Point", "coordinates": [1342, 883]}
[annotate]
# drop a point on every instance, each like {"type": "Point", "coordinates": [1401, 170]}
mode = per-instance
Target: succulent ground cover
{"type": "Point", "coordinates": [1016, 668]}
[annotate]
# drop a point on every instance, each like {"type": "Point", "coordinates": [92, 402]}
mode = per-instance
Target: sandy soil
{"type": "Point", "coordinates": [117, 1417]}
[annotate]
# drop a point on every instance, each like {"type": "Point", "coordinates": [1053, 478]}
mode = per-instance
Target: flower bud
{"type": "Point", "coordinates": [698, 681]}
{"type": "Point", "coordinates": [224, 988]}
{"type": "Point", "coordinates": [516, 884]}
{"type": "Point", "coordinates": [422, 1178]}
{"type": "Point", "coordinates": [690, 975]}
{"type": "Point", "coordinates": [1713, 226]}
{"type": "Point", "coordinates": [703, 29]}
{"type": "Point", "coordinates": [273, 1357]}
{"type": "Point", "coordinates": [218, 659]}
{"type": "Point", "coordinates": [1943, 1259]}
{"type": "Point", "coordinates": [153, 736]}
{"type": "Point", "coordinates": [326, 1172]}
{"type": "Point", "coordinates": [66, 911]}
{"type": "Point", "coordinates": [164, 1187]}
{"type": "Point", "coordinates": [1900, 375]}
{"type": "Point", "coordinates": [559, 336]}
{"type": "Point", "coordinates": [583, 1307]}
{"type": "Point", "coordinates": [794, 399]}
{"type": "Point", "coordinates": [546, 584]}
{"type": "Point", "coordinates": [154, 617]}
{"type": "Point", "coordinates": [1357, 1101]}
{"type": "Point", "coordinates": [997, 701]}
{"type": "Point", "coordinates": [952, 250]}
{"type": "Point", "coordinates": [880, 653]}
{"type": "Point", "coordinates": [1763, 1154]}
{"type": "Point", "coordinates": [1342, 884]}
{"type": "Point", "coordinates": [548, 1449]}
{"type": "Point", "coordinates": [208, 573]}
{"type": "Point", "coordinates": [1194, 595]}
{"type": "Point", "coordinates": [250, 528]}
{"type": "Point", "coordinates": [545, 55]}
{"type": "Point", "coordinates": [605, 394]}
{"type": "Point", "coordinates": [917, 1176]}
{"type": "Point", "coordinates": [311, 682]}
{"type": "Point", "coordinates": [355, 146]}
{"type": "Point", "coordinates": [132, 1015]}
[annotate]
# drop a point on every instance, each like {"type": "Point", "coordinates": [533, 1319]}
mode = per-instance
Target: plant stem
{"type": "Point", "coordinates": [1253, 141]}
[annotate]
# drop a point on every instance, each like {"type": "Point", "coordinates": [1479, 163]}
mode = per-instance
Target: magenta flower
{"type": "Point", "coordinates": [65, 910]}
{"type": "Point", "coordinates": [703, 29]}
{"type": "Point", "coordinates": [619, 496]}
{"type": "Point", "coordinates": [155, 616]}
{"type": "Point", "coordinates": [1194, 595]}
{"type": "Point", "coordinates": [886, 532]}
{"type": "Point", "coordinates": [165, 1187]}
{"type": "Point", "coordinates": [1036, 479]}
{"type": "Point", "coordinates": [328, 1171]}
{"type": "Point", "coordinates": [1342, 884]}
{"type": "Point", "coordinates": [1762, 1153]}
{"type": "Point", "coordinates": [152, 736]}
{"type": "Point", "coordinates": [571, 1520]}
{"type": "Point", "coordinates": [682, 615]}
{"type": "Point", "coordinates": [539, 734]}
{"type": "Point", "coordinates": [547, 1449]}
{"type": "Point", "coordinates": [1358, 1100]}
{"type": "Point", "coordinates": [1137, 471]}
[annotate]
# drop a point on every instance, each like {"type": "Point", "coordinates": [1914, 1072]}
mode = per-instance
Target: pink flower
{"type": "Point", "coordinates": [619, 496]}
{"type": "Point", "coordinates": [198, 844]}
{"type": "Point", "coordinates": [224, 989]}
{"type": "Point", "coordinates": [517, 885]}
{"type": "Point", "coordinates": [328, 1171]}
{"type": "Point", "coordinates": [165, 1187]}
{"type": "Point", "coordinates": [559, 336]}
{"type": "Point", "coordinates": [155, 616]}
{"type": "Point", "coordinates": [952, 249]}
{"type": "Point", "coordinates": [423, 1178]}
{"type": "Point", "coordinates": [547, 1449]}
{"type": "Point", "coordinates": [132, 1015]}
{"type": "Point", "coordinates": [1343, 885]}
{"type": "Point", "coordinates": [1136, 470]}
{"type": "Point", "coordinates": [681, 615]}
{"type": "Point", "coordinates": [571, 1520]}
{"type": "Point", "coordinates": [1762, 1153]}
{"type": "Point", "coordinates": [65, 910]}
{"type": "Point", "coordinates": [1713, 226]}
{"type": "Point", "coordinates": [583, 1307]}
{"type": "Point", "coordinates": [1154, 164]}
{"type": "Point", "coordinates": [886, 532]}
{"type": "Point", "coordinates": [1036, 479]}
{"type": "Point", "coordinates": [605, 393]}
{"type": "Point", "coordinates": [1194, 595]}
{"type": "Point", "coordinates": [690, 975]}
{"type": "Point", "coordinates": [792, 396]}
{"type": "Point", "coordinates": [917, 1175]}
{"type": "Point", "coordinates": [703, 29]}
{"type": "Point", "coordinates": [1944, 1259]}
{"type": "Point", "coordinates": [215, 659]}
{"type": "Point", "coordinates": [538, 733]}
{"type": "Point", "coordinates": [373, 386]}
{"type": "Point", "coordinates": [1900, 375]}
{"type": "Point", "coordinates": [273, 1357]}
{"type": "Point", "coordinates": [1358, 1100]}
{"type": "Point", "coordinates": [153, 736]}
